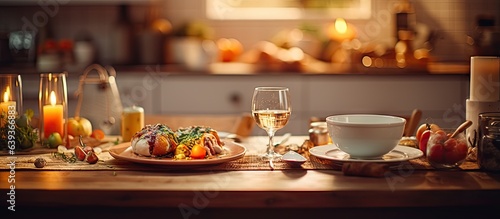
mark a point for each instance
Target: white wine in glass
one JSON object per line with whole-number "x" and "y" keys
{"x": 271, "y": 109}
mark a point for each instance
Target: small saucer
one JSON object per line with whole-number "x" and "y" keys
{"x": 399, "y": 154}
{"x": 293, "y": 158}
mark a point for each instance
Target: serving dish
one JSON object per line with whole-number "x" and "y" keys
{"x": 123, "y": 151}
{"x": 399, "y": 154}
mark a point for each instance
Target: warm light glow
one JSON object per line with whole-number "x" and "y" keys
{"x": 340, "y": 25}
{"x": 52, "y": 98}
{"x": 400, "y": 47}
{"x": 296, "y": 54}
{"x": 6, "y": 94}
{"x": 379, "y": 63}
{"x": 367, "y": 61}
{"x": 341, "y": 31}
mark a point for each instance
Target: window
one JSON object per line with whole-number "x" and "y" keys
{"x": 287, "y": 9}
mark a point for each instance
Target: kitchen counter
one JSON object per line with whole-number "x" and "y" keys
{"x": 433, "y": 68}
{"x": 235, "y": 68}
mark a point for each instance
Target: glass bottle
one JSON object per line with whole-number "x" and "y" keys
{"x": 404, "y": 33}
{"x": 488, "y": 151}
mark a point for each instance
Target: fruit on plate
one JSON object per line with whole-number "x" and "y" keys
{"x": 79, "y": 126}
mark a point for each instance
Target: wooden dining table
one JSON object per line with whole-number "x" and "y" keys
{"x": 242, "y": 188}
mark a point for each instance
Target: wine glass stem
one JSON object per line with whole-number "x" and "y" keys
{"x": 270, "y": 148}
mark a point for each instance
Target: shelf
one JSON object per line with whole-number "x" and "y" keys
{"x": 74, "y": 2}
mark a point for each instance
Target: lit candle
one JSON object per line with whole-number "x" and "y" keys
{"x": 7, "y": 105}
{"x": 485, "y": 78}
{"x": 341, "y": 30}
{"x": 52, "y": 117}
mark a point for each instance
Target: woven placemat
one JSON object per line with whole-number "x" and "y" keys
{"x": 248, "y": 162}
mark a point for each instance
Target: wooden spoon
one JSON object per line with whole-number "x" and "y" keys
{"x": 461, "y": 128}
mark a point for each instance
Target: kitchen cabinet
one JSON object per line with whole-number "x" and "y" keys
{"x": 141, "y": 90}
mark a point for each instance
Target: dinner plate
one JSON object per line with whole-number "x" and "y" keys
{"x": 123, "y": 151}
{"x": 398, "y": 154}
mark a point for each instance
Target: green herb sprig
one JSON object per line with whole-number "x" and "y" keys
{"x": 63, "y": 156}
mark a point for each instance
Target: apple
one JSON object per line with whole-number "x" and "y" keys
{"x": 426, "y": 126}
{"x": 79, "y": 126}
{"x": 54, "y": 140}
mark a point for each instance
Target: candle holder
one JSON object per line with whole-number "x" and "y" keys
{"x": 484, "y": 92}
{"x": 11, "y": 99}
{"x": 53, "y": 105}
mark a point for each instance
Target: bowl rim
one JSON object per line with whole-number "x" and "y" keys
{"x": 401, "y": 120}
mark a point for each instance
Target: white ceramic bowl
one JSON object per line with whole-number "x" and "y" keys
{"x": 365, "y": 136}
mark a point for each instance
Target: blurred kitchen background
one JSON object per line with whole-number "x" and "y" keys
{"x": 445, "y": 28}
{"x": 168, "y": 46}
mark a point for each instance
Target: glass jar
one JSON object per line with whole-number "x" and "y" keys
{"x": 444, "y": 152}
{"x": 488, "y": 151}
{"x": 132, "y": 122}
{"x": 318, "y": 133}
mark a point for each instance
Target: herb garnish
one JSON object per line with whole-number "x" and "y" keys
{"x": 63, "y": 156}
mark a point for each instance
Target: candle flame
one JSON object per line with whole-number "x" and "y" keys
{"x": 52, "y": 98}
{"x": 340, "y": 25}
{"x": 6, "y": 94}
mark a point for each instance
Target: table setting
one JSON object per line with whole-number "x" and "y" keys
{"x": 271, "y": 109}
{"x": 358, "y": 139}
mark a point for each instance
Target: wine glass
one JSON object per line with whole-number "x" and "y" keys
{"x": 271, "y": 109}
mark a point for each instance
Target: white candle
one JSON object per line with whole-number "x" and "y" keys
{"x": 7, "y": 105}
{"x": 485, "y": 78}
